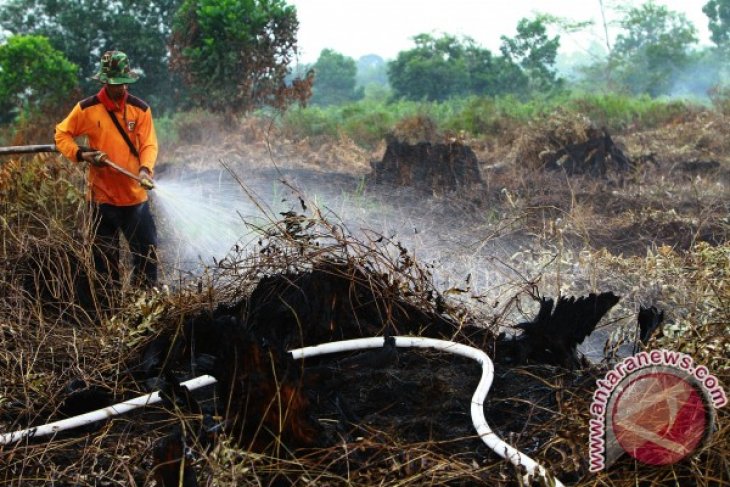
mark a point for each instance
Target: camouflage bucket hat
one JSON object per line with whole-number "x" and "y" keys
{"x": 115, "y": 69}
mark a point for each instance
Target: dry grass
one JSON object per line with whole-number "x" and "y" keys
{"x": 538, "y": 138}
{"x": 48, "y": 338}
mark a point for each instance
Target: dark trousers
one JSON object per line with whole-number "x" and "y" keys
{"x": 138, "y": 227}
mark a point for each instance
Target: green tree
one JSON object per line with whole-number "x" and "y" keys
{"x": 534, "y": 51}
{"x": 715, "y": 63}
{"x": 334, "y": 79}
{"x": 718, "y": 12}
{"x": 372, "y": 69}
{"x": 372, "y": 77}
{"x": 433, "y": 70}
{"x": 492, "y": 75}
{"x": 33, "y": 76}
{"x": 653, "y": 50}
{"x": 235, "y": 54}
{"x": 445, "y": 67}
{"x": 83, "y": 29}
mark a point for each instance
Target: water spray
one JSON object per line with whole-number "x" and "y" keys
{"x": 530, "y": 467}
{"x": 204, "y": 219}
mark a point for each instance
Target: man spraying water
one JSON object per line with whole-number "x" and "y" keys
{"x": 124, "y": 149}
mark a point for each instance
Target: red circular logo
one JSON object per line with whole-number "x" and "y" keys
{"x": 659, "y": 418}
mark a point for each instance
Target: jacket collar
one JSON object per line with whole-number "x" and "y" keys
{"x": 108, "y": 103}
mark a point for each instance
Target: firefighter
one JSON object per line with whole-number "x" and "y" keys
{"x": 119, "y": 128}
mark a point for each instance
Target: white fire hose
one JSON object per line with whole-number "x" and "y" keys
{"x": 99, "y": 414}
{"x": 533, "y": 469}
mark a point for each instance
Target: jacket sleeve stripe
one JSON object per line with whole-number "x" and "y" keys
{"x": 137, "y": 102}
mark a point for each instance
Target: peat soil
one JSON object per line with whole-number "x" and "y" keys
{"x": 422, "y": 403}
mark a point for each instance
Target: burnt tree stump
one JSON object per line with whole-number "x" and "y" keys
{"x": 593, "y": 156}
{"x": 429, "y": 166}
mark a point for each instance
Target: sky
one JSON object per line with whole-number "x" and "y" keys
{"x": 385, "y": 27}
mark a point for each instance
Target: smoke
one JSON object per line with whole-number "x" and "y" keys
{"x": 708, "y": 70}
{"x": 204, "y": 215}
{"x": 475, "y": 257}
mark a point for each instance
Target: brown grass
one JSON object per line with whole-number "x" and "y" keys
{"x": 47, "y": 338}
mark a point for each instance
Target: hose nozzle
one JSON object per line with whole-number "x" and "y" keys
{"x": 146, "y": 183}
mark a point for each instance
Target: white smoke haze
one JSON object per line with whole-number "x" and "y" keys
{"x": 703, "y": 75}
{"x": 208, "y": 213}
{"x": 472, "y": 257}
{"x": 343, "y": 24}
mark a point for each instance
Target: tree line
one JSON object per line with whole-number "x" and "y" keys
{"x": 233, "y": 56}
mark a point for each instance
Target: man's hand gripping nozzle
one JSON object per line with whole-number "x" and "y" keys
{"x": 146, "y": 183}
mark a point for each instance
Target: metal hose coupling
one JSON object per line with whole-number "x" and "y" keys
{"x": 146, "y": 183}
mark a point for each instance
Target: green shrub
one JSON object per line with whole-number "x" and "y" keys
{"x": 621, "y": 112}
{"x": 34, "y": 77}
{"x": 196, "y": 127}
{"x": 166, "y": 131}
{"x": 720, "y": 97}
{"x": 477, "y": 116}
{"x": 299, "y": 123}
{"x": 368, "y": 121}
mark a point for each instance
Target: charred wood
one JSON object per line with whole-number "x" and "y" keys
{"x": 428, "y": 166}
{"x": 593, "y": 157}
{"x": 649, "y": 320}
{"x": 553, "y": 336}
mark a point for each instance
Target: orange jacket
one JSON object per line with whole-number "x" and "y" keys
{"x": 90, "y": 117}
